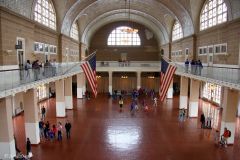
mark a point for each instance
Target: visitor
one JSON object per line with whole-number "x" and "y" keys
{"x": 225, "y": 136}
{"x": 36, "y": 69}
{"x": 28, "y": 147}
{"x": 202, "y": 120}
{"x": 186, "y": 65}
{"x": 68, "y": 128}
{"x": 155, "y": 101}
{"x": 193, "y": 67}
{"x": 120, "y": 103}
{"x": 199, "y": 67}
{"x": 41, "y": 128}
{"x": 43, "y": 112}
{"x": 54, "y": 128}
{"x": 59, "y": 128}
{"x": 27, "y": 67}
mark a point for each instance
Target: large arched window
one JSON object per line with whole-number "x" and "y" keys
{"x": 74, "y": 31}
{"x": 177, "y": 32}
{"x": 124, "y": 36}
{"x": 45, "y": 14}
{"x": 214, "y": 12}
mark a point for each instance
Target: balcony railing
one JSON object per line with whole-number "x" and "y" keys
{"x": 128, "y": 63}
{"x": 223, "y": 74}
{"x": 10, "y": 79}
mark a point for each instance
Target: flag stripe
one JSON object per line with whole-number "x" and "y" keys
{"x": 167, "y": 72}
{"x": 90, "y": 73}
{"x": 167, "y": 80}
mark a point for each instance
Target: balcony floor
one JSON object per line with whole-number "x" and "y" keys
{"x": 101, "y": 132}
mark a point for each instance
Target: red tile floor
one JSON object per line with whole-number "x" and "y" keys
{"x": 101, "y": 132}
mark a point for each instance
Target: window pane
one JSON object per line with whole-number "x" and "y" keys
{"x": 214, "y": 12}
{"x": 124, "y": 36}
{"x": 43, "y": 13}
{"x": 177, "y": 31}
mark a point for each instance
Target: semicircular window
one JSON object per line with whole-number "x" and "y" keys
{"x": 124, "y": 36}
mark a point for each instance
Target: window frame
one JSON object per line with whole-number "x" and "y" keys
{"x": 115, "y": 37}
{"x": 45, "y": 20}
{"x": 178, "y": 34}
{"x": 207, "y": 16}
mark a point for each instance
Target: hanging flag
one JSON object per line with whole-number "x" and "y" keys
{"x": 89, "y": 69}
{"x": 167, "y": 72}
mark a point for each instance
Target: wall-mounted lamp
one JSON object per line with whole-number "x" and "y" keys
{"x": 124, "y": 77}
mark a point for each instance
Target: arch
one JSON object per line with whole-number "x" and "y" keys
{"x": 214, "y": 12}
{"x": 120, "y": 15}
{"x": 44, "y": 13}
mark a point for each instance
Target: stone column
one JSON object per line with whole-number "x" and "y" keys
{"x": 194, "y": 97}
{"x": 60, "y": 99}
{"x": 138, "y": 79}
{"x": 110, "y": 82}
{"x": 31, "y": 116}
{"x": 230, "y": 103}
{"x": 7, "y": 143}
{"x": 68, "y": 93}
{"x": 183, "y": 103}
{"x": 170, "y": 91}
{"x": 80, "y": 85}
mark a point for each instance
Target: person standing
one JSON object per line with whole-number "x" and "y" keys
{"x": 27, "y": 67}
{"x": 202, "y": 120}
{"x": 41, "y": 128}
{"x": 68, "y": 128}
{"x": 43, "y": 112}
{"x": 59, "y": 128}
{"x": 28, "y": 147}
{"x": 186, "y": 65}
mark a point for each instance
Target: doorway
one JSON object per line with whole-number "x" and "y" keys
{"x": 21, "y": 56}
{"x": 210, "y": 56}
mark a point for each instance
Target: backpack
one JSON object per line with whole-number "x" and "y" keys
{"x": 229, "y": 133}
{"x": 26, "y": 67}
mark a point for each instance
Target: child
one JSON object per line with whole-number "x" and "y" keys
{"x": 216, "y": 137}
{"x": 155, "y": 102}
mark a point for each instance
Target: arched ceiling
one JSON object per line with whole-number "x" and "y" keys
{"x": 160, "y": 13}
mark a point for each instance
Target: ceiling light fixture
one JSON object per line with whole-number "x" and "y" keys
{"x": 129, "y": 29}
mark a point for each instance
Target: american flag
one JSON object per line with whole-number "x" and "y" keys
{"x": 167, "y": 72}
{"x": 89, "y": 69}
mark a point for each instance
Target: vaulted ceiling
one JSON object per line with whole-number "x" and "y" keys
{"x": 156, "y": 15}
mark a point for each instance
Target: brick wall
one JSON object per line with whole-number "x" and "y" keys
{"x": 148, "y": 51}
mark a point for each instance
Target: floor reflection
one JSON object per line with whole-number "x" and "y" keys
{"x": 122, "y": 137}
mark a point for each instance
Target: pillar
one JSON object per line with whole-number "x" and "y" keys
{"x": 230, "y": 103}
{"x": 7, "y": 143}
{"x": 31, "y": 116}
{"x": 170, "y": 90}
{"x": 194, "y": 96}
{"x": 68, "y": 93}
{"x": 138, "y": 80}
{"x": 183, "y": 93}
{"x": 80, "y": 85}
{"x": 60, "y": 99}
{"x": 110, "y": 82}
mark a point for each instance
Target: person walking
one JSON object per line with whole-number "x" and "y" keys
{"x": 28, "y": 147}
{"x": 120, "y": 104}
{"x": 68, "y": 127}
{"x": 59, "y": 128}
{"x": 155, "y": 101}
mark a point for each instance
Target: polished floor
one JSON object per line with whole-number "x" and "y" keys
{"x": 101, "y": 132}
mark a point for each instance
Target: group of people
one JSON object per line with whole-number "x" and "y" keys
{"x": 55, "y": 131}
{"x": 49, "y": 69}
{"x": 196, "y": 66}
